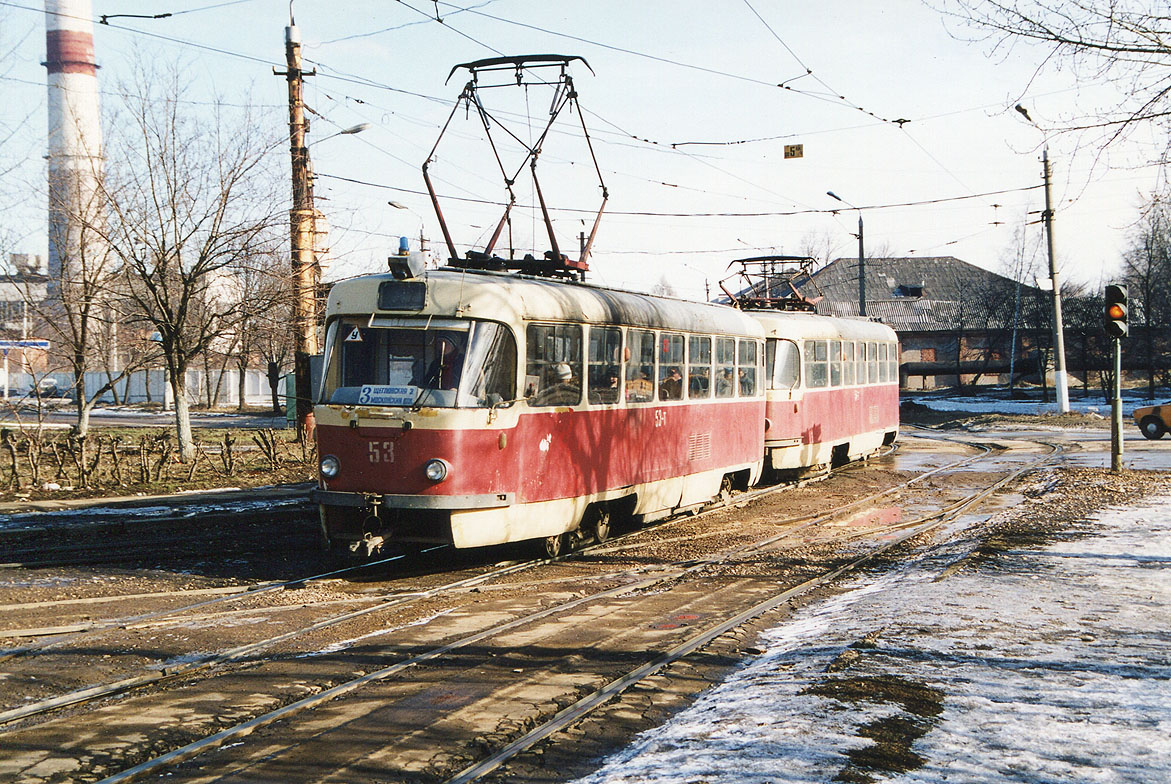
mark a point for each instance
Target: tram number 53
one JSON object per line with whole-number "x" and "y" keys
{"x": 381, "y": 451}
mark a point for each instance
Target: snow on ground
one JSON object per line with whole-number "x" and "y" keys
{"x": 1049, "y": 663}
{"x": 988, "y": 404}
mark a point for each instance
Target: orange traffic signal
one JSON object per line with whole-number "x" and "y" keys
{"x": 1115, "y": 315}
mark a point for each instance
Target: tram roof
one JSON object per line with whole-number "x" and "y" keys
{"x": 512, "y": 298}
{"x": 806, "y": 326}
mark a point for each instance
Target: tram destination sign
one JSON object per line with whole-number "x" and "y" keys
{"x": 8, "y": 345}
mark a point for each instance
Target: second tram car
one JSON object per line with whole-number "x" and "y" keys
{"x": 477, "y": 408}
{"x": 833, "y": 388}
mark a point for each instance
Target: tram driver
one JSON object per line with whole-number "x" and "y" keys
{"x": 564, "y": 391}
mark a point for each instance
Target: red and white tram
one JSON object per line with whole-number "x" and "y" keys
{"x": 477, "y": 408}
{"x": 833, "y": 388}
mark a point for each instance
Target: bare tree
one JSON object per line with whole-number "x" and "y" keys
{"x": 1126, "y": 43}
{"x": 1147, "y": 269}
{"x": 664, "y": 288}
{"x": 74, "y": 306}
{"x": 263, "y": 332}
{"x": 190, "y": 201}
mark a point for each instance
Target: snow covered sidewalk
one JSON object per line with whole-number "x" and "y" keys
{"x": 1028, "y": 661}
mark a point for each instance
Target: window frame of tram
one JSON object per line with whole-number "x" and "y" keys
{"x": 835, "y": 363}
{"x": 546, "y": 347}
{"x": 640, "y": 367}
{"x": 785, "y": 373}
{"x": 725, "y": 364}
{"x": 816, "y": 364}
{"x": 747, "y": 368}
{"x": 603, "y": 363}
{"x": 670, "y": 357}
{"x": 699, "y": 367}
{"x": 392, "y": 356}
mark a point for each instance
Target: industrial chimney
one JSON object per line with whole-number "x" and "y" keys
{"x": 75, "y": 134}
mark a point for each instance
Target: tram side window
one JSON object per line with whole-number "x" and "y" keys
{"x": 835, "y": 363}
{"x": 894, "y": 362}
{"x": 640, "y": 366}
{"x": 848, "y": 364}
{"x": 883, "y": 363}
{"x": 699, "y": 367}
{"x": 786, "y": 372}
{"x": 553, "y": 365}
{"x": 746, "y": 368}
{"x": 670, "y": 367}
{"x": 816, "y": 363}
{"x": 725, "y": 367}
{"x": 605, "y": 359}
{"x": 872, "y": 363}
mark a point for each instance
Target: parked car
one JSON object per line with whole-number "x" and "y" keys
{"x": 1153, "y": 421}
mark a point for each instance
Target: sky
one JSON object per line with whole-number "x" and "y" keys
{"x": 901, "y": 112}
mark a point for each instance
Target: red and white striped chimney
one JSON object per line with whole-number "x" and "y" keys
{"x": 75, "y": 132}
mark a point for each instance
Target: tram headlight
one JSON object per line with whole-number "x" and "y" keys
{"x": 436, "y": 470}
{"x": 330, "y": 466}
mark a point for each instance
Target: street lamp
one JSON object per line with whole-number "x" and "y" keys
{"x": 345, "y": 132}
{"x": 1060, "y": 377}
{"x": 861, "y": 256}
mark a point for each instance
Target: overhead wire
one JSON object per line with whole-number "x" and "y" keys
{"x": 374, "y": 84}
{"x": 754, "y": 214}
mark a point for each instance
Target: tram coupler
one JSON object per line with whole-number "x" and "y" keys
{"x": 373, "y": 535}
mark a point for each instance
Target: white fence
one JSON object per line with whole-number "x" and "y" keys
{"x": 145, "y": 386}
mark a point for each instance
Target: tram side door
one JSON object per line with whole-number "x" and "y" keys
{"x": 785, "y": 389}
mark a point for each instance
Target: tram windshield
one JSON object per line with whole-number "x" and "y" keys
{"x": 443, "y": 363}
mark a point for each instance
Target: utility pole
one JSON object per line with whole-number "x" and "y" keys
{"x": 306, "y": 273}
{"x": 1058, "y": 330}
{"x": 861, "y": 256}
{"x": 861, "y": 270}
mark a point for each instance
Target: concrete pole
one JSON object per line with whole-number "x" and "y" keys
{"x": 1062, "y": 381}
{"x": 306, "y": 274}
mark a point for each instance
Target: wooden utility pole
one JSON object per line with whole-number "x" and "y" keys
{"x": 306, "y": 272}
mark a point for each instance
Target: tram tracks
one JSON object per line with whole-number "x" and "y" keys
{"x": 155, "y": 675}
{"x": 632, "y": 582}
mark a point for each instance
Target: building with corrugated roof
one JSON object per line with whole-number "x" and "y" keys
{"x": 955, "y": 320}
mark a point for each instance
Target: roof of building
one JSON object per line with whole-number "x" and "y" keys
{"x": 910, "y": 293}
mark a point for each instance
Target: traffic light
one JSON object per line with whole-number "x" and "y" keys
{"x": 1114, "y": 318}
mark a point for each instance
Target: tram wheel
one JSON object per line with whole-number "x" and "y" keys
{"x": 1152, "y": 427}
{"x": 601, "y": 524}
{"x": 556, "y": 545}
{"x": 726, "y": 488}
